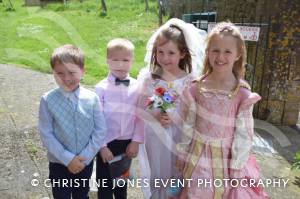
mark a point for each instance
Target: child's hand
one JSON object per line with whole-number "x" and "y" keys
{"x": 132, "y": 149}
{"x": 76, "y": 165}
{"x": 187, "y": 97}
{"x": 236, "y": 173}
{"x": 164, "y": 119}
{"x": 184, "y": 193}
{"x": 180, "y": 164}
{"x": 106, "y": 154}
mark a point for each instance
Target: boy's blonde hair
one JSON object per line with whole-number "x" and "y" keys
{"x": 67, "y": 54}
{"x": 119, "y": 44}
{"x": 228, "y": 28}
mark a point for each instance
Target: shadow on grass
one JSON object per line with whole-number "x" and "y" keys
{"x": 297, "y": 181}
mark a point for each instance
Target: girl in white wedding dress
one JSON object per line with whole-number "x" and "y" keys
{"x": 174, "y": 58}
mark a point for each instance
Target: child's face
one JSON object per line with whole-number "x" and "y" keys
{"x": 68, "y": 76}
{"x": 168, "y": 56}
{"x": 120, "y": 62}
{"x": 223, "y": 53}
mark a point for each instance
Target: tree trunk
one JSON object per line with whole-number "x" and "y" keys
{"x": 147, "y": 6}
{"x": 103, "y": 5}
{"x": 159, "y": 12}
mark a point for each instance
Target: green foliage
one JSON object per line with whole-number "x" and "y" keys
{"x": 31, "y": 33}
{"x": 32, "y": 149}
{"x": 8, "y": 6}
{"x": 296, "y": 164}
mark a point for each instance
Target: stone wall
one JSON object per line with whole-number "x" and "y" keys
{"x": 41, "y": 2}
{"x": 277, "y": 56}
{"x": 32, "y": 2}
{"x": 281, "y": 93}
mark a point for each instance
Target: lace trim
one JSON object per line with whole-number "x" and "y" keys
{"x": 221, "y": 94}
{"x": 185, "y": 81}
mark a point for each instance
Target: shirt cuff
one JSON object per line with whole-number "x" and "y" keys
{"x": 104, "y": 145}
{"x": 138, "y": 138}
{"x": 67, "y": 158}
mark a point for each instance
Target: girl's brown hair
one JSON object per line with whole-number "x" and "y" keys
{"x": 228, "y": 28}
{"x": 174, "y": 34}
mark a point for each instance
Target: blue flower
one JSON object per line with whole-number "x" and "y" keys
{"x": 168, "y": 98}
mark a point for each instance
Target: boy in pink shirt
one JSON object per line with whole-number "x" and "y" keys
{"x": 118, "y": 94}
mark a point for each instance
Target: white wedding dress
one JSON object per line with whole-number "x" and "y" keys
{"x": 157, "y": 156}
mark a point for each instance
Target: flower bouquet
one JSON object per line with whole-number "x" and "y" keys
{"x": 162, "y": 99}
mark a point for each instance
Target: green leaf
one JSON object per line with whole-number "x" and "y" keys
{"x": 296, "y": 162}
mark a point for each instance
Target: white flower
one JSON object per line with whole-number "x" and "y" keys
{"x": 157, "y": 101}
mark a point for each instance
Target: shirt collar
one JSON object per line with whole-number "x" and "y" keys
{"x": 72, "y": 94}
{"x": 112, "y": 78}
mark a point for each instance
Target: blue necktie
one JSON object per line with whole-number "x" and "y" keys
{"x": 122, "y": 81}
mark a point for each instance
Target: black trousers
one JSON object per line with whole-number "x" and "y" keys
{"x": 117, "y": 147}
{"x": 75, "y": 187}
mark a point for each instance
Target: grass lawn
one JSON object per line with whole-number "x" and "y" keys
{"x": 28, "y": 35}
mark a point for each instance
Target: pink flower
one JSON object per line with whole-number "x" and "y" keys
{"x": 149, "y": 101}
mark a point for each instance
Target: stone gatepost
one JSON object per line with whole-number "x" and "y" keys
{"x": 281, "y": 96}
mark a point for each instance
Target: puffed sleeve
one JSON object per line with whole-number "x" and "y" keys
{"x": 188, "y": 102}
{"x": 243, "y": 136}
{"x": 139, "y": 129}
{"x": 188, "y": 119}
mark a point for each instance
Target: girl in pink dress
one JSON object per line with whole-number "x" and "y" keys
{"x": 219, "y": 160}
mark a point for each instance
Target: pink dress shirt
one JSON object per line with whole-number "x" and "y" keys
{"x": 119, "y": 103}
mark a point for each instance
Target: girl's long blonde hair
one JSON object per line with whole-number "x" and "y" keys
{"x": 228, "y": 28}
